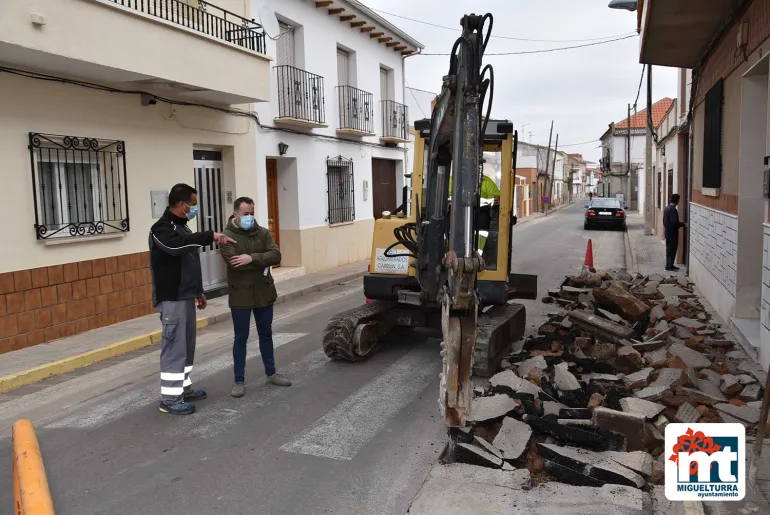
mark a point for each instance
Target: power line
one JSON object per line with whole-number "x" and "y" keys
{"x": 583, "y": 143}
{"x": 498, "y": 37}
{"x": 548, "y": 49}
{"x": 415, "y": 98}
{"x": 641, "y": 79}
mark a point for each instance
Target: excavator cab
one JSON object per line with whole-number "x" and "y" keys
{"x": 392, "y": 286}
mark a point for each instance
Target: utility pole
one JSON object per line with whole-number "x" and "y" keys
{"x": 547, "y": 162}
{"x": 627, "y": 199}
{"x": 553, "y": 174}
{"x": 648, "y": 200}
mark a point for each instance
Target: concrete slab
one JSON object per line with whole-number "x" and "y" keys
{"x": 552, "y": 407}
{"x": 750, "y": 393}
{"x": 670, "y": 290}
{"x": 527, "y": 365}
{"x": 564, "y": 379}
{"x": 745, "y": 413}
{"x": 513, "y": 438}
{"x": 689, "y": 323}
{"x": 687, "y": 414}
{"x": 508, "y": 381}
{"x": 652, "y": 393}
{"x": 690, "y": 357}
{"x": 488, "y": 447}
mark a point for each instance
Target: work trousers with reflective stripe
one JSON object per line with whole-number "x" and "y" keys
{"x": 177, "y": 350}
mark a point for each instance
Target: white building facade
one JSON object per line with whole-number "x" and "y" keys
{"x": 332, "y": 153}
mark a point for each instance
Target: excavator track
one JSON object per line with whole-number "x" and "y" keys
{"x": 339, "y": 336}
{"x": 497, "y": 329}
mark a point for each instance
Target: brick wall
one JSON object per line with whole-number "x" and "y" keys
{"x": 726, "y": 58}
{"x": 44, "y": 304}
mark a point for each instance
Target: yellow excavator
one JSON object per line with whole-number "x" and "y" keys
{"x": 446, "y": 264}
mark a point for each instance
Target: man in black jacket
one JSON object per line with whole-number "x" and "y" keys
{"x": 671, "y": 226}
{"x": 177, "y": 286}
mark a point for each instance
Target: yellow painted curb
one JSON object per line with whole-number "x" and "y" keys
{"x": 63, "y": 366}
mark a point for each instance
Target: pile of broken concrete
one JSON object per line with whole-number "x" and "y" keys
{"x": 587, "y": 399}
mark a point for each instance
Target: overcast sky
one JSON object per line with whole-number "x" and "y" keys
{"x": 582, "y": 90}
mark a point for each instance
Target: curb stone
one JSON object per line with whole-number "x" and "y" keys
{"x": 71, "y": 363}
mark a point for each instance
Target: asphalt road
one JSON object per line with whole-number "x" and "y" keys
{"x": 345, "y": 439}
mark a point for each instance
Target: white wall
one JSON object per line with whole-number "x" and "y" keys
{"x": 317, "y": 38}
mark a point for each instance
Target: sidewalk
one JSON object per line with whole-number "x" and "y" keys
{"x": 33, "y": 364}
{"x": 648, "y": 253}
{"x": 648, "y": 257}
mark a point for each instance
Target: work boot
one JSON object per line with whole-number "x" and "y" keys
{"x": 178, "y": 408}
{"x": 238, "y": 390}
{"x": 194, "y": 395}
{"x": 278, "y": 380}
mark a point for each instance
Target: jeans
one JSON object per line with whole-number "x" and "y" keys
{"x": 241, "y": 322}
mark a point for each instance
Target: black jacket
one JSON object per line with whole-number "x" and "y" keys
{"x": 175, "y": 260}
{"x": 671, "y": 223}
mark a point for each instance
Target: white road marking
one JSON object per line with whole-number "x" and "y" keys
{"x": 137, "y": 399}
{"x": 352, "y": 424}
{"x": 225, "y": 412}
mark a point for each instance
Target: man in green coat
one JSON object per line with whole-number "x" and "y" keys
{"x": 252, "y": 289}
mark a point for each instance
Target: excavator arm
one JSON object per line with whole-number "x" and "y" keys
{"x": 448, "y": 258}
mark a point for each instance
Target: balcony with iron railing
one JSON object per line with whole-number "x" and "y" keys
{"x": 188, "y": 49}
{"x": 301, "y": 99}
{"x": 356, "y": 111}
{"x": 395, "y": 122}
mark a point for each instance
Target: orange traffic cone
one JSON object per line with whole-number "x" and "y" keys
{"x": 589, "y": 260}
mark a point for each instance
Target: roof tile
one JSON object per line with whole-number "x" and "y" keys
{"x": 639, "y": 120}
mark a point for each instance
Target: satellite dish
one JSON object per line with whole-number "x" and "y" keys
{"x": 269, "y": 22}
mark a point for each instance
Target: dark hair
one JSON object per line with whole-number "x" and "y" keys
{"x": 675, "y": 198}
{"x": 180, "y": 193}
{"x": 242, "y": 200}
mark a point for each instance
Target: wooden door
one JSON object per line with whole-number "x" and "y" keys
{"x": 272, "y": 200}
{"x": 384, "y": 196}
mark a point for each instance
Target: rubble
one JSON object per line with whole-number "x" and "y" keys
{"x": 512, "y": 439}
{"x": 586, "y": 399}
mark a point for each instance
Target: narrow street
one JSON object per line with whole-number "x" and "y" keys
{"x": 344, "y": 439}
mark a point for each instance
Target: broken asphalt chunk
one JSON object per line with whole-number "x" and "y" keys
{"x": 640, "y": 379}
{"x": 656, "y": 358}
{"x": 483, "y": 444}
{"x": 490, "y": 408}
{"x": 668, "y": 378}
{"x": 513, "y": 438}
{"x": 690, "y": 357}
{"x": 473, "y": 455}
{"x": 750, "y": 393}
{"x": 628, "y": 361}
{"x": 609, "y": 471}
{"x": 701, "y": 396}
{"x": 570, "y": 476}
{"x": 618, "y": 300}
{"x": 689, "y": 323}
{"x": 651, "y": 393}
{"x": 596, "y": 325}
{"x": 565, "y": 433}
{"x": 630, "y": 425}
{"x": 508, "y": 382}
{"x": 638, "y": 461}
{"x": 745, "y": 413}
{"x": 687, "y": 414}
{"x": 650, "y": 410}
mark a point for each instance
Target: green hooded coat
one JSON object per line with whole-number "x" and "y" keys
{"x": 251, "y": 286}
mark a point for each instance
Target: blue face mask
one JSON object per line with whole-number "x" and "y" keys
{"x": 193, "y": 212}
{"x": 247, "y": 222}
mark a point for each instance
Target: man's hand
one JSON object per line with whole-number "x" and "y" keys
{"x": 497, "y": 201}
{"x": 202, "y": 302}
{"x": 242, "y": 260}
{"x": 221, "y": 239}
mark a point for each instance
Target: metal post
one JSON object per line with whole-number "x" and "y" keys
{"x": 547, "y": 160}
{"x": 628, "y": 162}
{"x": 648, "y": 197}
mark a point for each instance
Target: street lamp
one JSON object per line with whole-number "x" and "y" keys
{"x": 628, "y": 5}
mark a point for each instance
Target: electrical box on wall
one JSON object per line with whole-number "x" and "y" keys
{"x": 366, "y": 190}
{"x": 159, "y": 202}
{"x": 766, "y": 187}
